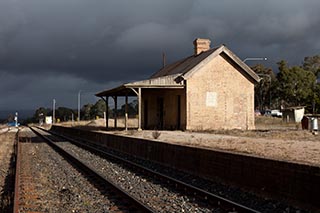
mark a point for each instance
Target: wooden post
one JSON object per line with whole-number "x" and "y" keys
{"x": 139, "y": 103}
{"x": 115, "y": 111}
{"x": 126, "y": 114}
{"x": 139, "y": 106}
{"x": 107, "y": 111}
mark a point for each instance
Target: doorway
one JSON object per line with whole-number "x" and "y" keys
{"x": 160, "y": 112}
{"x": 179, "y": 112}
{"x": 145, "y": 114}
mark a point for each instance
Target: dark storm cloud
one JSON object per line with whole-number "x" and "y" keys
{"x": 82, "y": 44}
{"x": 30, "y": 91}
{"x": 84, "y": 38}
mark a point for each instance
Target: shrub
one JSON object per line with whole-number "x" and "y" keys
{"x": 156, "y": 134}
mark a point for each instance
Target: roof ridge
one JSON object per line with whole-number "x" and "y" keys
{"x": 169, "y": 67}
{"x": 194, "y": 59}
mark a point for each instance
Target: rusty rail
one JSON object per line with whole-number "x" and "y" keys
{"x": 136, "y": 205}
{"x": 226, "y": 204}
{"x": 17, "y": 175}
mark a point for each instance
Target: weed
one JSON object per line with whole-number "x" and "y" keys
{"x": 131, "y": 132}
{"x": 156, "y": 134}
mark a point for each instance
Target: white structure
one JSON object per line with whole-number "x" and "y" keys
{"x": 16, "y": 119}
{"x": 293, "y": 114}
{"x": 48, "y": 119}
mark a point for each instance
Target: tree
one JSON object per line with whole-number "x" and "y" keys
{"x": 10, "y": 118}
{"x": 86, "y": 112}
{"x": 263, "y": 90}
{"x": 295, "y": 85}
{"x": 98, "y": 109}
{"x": 132, "y": 109}
{"x": 40, "y": 114}
{"x": 316, "y": 99}
{"x": 312, "y": 63}
{"x": 64, "y": 113}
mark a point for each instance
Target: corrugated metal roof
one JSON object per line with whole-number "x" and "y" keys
{"x": 127, "y": 89}
{"x": 184, "y": 65}
{"x": 167, "y": 76}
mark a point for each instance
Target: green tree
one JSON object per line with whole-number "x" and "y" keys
{"x": 295, "y": 85}
{"x": 132, "y": 109}
{"x": 64, "y": 113}
{"x": 40, "y": 113}
{"x": 316, "y": 102}
{"x": 263, "y": 89}
{"x": 98, "y": 109}
{"x": 312, "y": 63}
{"x": 86, "y": 112}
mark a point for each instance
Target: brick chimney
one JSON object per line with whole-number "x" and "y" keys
{"x": 201, "y": 45}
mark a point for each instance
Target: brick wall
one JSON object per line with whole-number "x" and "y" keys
{"x": 294, "y": 181}
{"x": 219, "y": 96}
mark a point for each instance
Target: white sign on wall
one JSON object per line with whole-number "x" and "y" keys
{"x": 211, "y": 99}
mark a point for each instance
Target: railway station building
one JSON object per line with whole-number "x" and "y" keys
{"x": 211, "y": 89}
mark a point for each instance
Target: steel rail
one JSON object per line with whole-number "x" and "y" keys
{"x": 139, "y": 206}
{"x": 17, "y": 150}
{"x": 222, "y": 202}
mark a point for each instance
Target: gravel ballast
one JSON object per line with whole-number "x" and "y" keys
{"x": 58, "y": 186}
{"x": 249, "y": 199}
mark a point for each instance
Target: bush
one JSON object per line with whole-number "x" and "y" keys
{"x": 156, "y": 134}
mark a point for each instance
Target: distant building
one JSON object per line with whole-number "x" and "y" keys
{"x": 211, "y": 89}
{"x": 48, "y": 120}
{"x": 293, "y": 114}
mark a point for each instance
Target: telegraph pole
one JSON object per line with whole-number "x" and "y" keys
{"x": 79, "y": 94}
{"x": 54, "y": 111}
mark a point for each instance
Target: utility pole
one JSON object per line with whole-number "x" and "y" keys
{"x": 54, "y": 111}
{"x": 79, "y": 96}
{"x": 16, "y": 119}
{"x": 163, "y": 59}
{"x": 261, "y": 59}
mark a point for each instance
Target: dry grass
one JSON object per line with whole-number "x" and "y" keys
{"x": 271, "y": 139}
{"x": 267, "y": 123}
{"x": 132, "y": 123}
{"x": 272, "y": 128}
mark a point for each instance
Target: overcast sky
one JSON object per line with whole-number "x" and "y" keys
{"x": 51, "y": 49}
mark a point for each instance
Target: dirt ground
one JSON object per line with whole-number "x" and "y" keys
{"x": 7, "y": 137}
{"x": 272, "y": 139}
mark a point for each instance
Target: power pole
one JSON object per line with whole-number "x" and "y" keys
{"x": 54, "y": 111}
{"x": 79, "y": 96}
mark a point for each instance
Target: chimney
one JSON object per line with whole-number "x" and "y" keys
{"x": 201, "y": 45}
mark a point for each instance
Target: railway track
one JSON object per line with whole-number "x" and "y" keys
{"x": 46, "y": 182}
{"x": 182, "y": 196}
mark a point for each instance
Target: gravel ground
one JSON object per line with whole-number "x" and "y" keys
{"x": 162, "y": 197}
{"x": 246, "y": 198}
{"x": 3, "y": 129}
{"x": 235, "y": 194}
{"x": 58, "y": 187}
{"x": 6, "y": 179}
